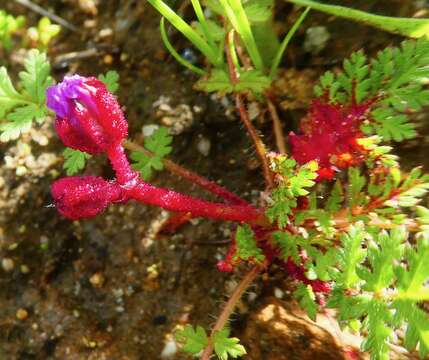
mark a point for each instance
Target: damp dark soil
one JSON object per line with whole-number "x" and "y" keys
{"x": 111, "y": 287}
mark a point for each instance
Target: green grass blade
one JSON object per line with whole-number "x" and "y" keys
{"x": 414, "y": 28}
{"x": 174, "y": 53}
{"x": 285, "y": 43}
{"x": 237, "y": 16}
{"x": 202, "y": 19}
{"x": 186, "y": 30}
{"x": 233, "y": 53}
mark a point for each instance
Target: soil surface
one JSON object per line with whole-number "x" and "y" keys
{"x": 111, "y": 287}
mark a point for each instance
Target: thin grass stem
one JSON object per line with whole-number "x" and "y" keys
{"x": 174, "y": 53}
{"x": 285, "y": 43}
{"x": 186, "y": 30}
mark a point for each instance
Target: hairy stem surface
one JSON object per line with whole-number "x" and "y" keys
{"x": 201, "y": 181}
{"x": 229, "y": 308}
{"x": 244, "y": 116}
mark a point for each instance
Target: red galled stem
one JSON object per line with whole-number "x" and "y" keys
{"x": 174, "y": 201}
{"x": 121, "y": 166}
{"x": 90, "y": 119}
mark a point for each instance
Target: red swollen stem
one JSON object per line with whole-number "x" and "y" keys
{"x": 174, "y": 201}
{"x": 201, "y": 181}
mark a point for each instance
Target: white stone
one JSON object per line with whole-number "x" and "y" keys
{"x": 204, "y": 146}
{"x": 169, "y": 350}
{"x": 148, "y": 130}
{"x": 278, "y": 293}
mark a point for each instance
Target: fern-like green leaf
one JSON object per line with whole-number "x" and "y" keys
{"x": 110, "y": 79}
{"x": 74, "y": 161}
{"x": 225, "y": 346}
{"x": 159, "y": 145}
{"x": 194, "y": 341}
{"x": 21, "y": 107}
{"x": 247, "y": 248}
{"x": 305, "y": 295}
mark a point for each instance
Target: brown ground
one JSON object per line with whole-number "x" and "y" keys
{"x": 105, "y": 288}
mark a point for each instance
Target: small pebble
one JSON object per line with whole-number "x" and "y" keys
{"x": 97, "y": 280}
{"x": 21, "y": 314}
{"x": 105, "y": 32}
{"x": 7, "y": 264}
{"x": 12, "y": 246}
{"x": 278, "y": 293}
{"x": 148, "y": 130}
{"x": 316, "y": 39}
{"x": 169, "y": 350}
{"x": 204, "y": 146}
{"x": 21, "y": 170}
{"x": 108, "y": 59}
{"x": 24, "y": 269}
{"x": 252, "y": 296}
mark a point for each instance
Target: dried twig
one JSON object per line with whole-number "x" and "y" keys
{"x": 277, "y": 127}
{"x": 38, "y": 9}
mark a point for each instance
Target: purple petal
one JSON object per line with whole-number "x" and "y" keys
{"x": 61, "y": 97}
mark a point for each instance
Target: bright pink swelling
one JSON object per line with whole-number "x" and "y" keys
{"x": 89, "y": 119}
{"x": 76, "y": 197}
{"x": 329, "y": 136}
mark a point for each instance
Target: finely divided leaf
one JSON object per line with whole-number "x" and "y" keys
{"x": 350, "y": 255}
{"x": 382, "y": 254}
{"x": 194, "y": 341}
{"x": 20, "y": 108}
{"x": 159, "y": 144}
{"x": 379, "y": 331}
{"x": 247, "y": 248}
{"x": 305, "y": 295}
{"x": 36, "y": 78}
{"x": 74, "y": 161}
{"x": 9, "y": 97}
{"x": 19, "y": 121}
{"x": 226, "y": 347}
{"x": 110, "y": 79}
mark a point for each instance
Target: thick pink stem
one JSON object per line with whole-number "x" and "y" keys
{"x": 174, "y": 201}
{"x": 204, "y": 183}
{"x": 120, "y": 164}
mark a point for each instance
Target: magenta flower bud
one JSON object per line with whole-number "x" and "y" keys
{"x": 89, "y": 118}
{"x": 78, "y": 197}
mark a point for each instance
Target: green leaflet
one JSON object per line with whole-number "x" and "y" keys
{"x": 159, "y": 144}
{"x": 194, "y": 341}
{"x": 111, "y": 80}
{"x": 226, "y": 346}
{"x": 350, "y": 255}
{"x": 20, "y": 107}
{"x": 305, "y": 295}
{"x": 75, "y": 161}
{"x": 219, "y": 81}
{"x": 382, "y": 253}
{"x": 297, "y": 180}
{"x": 247, "y": 248}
